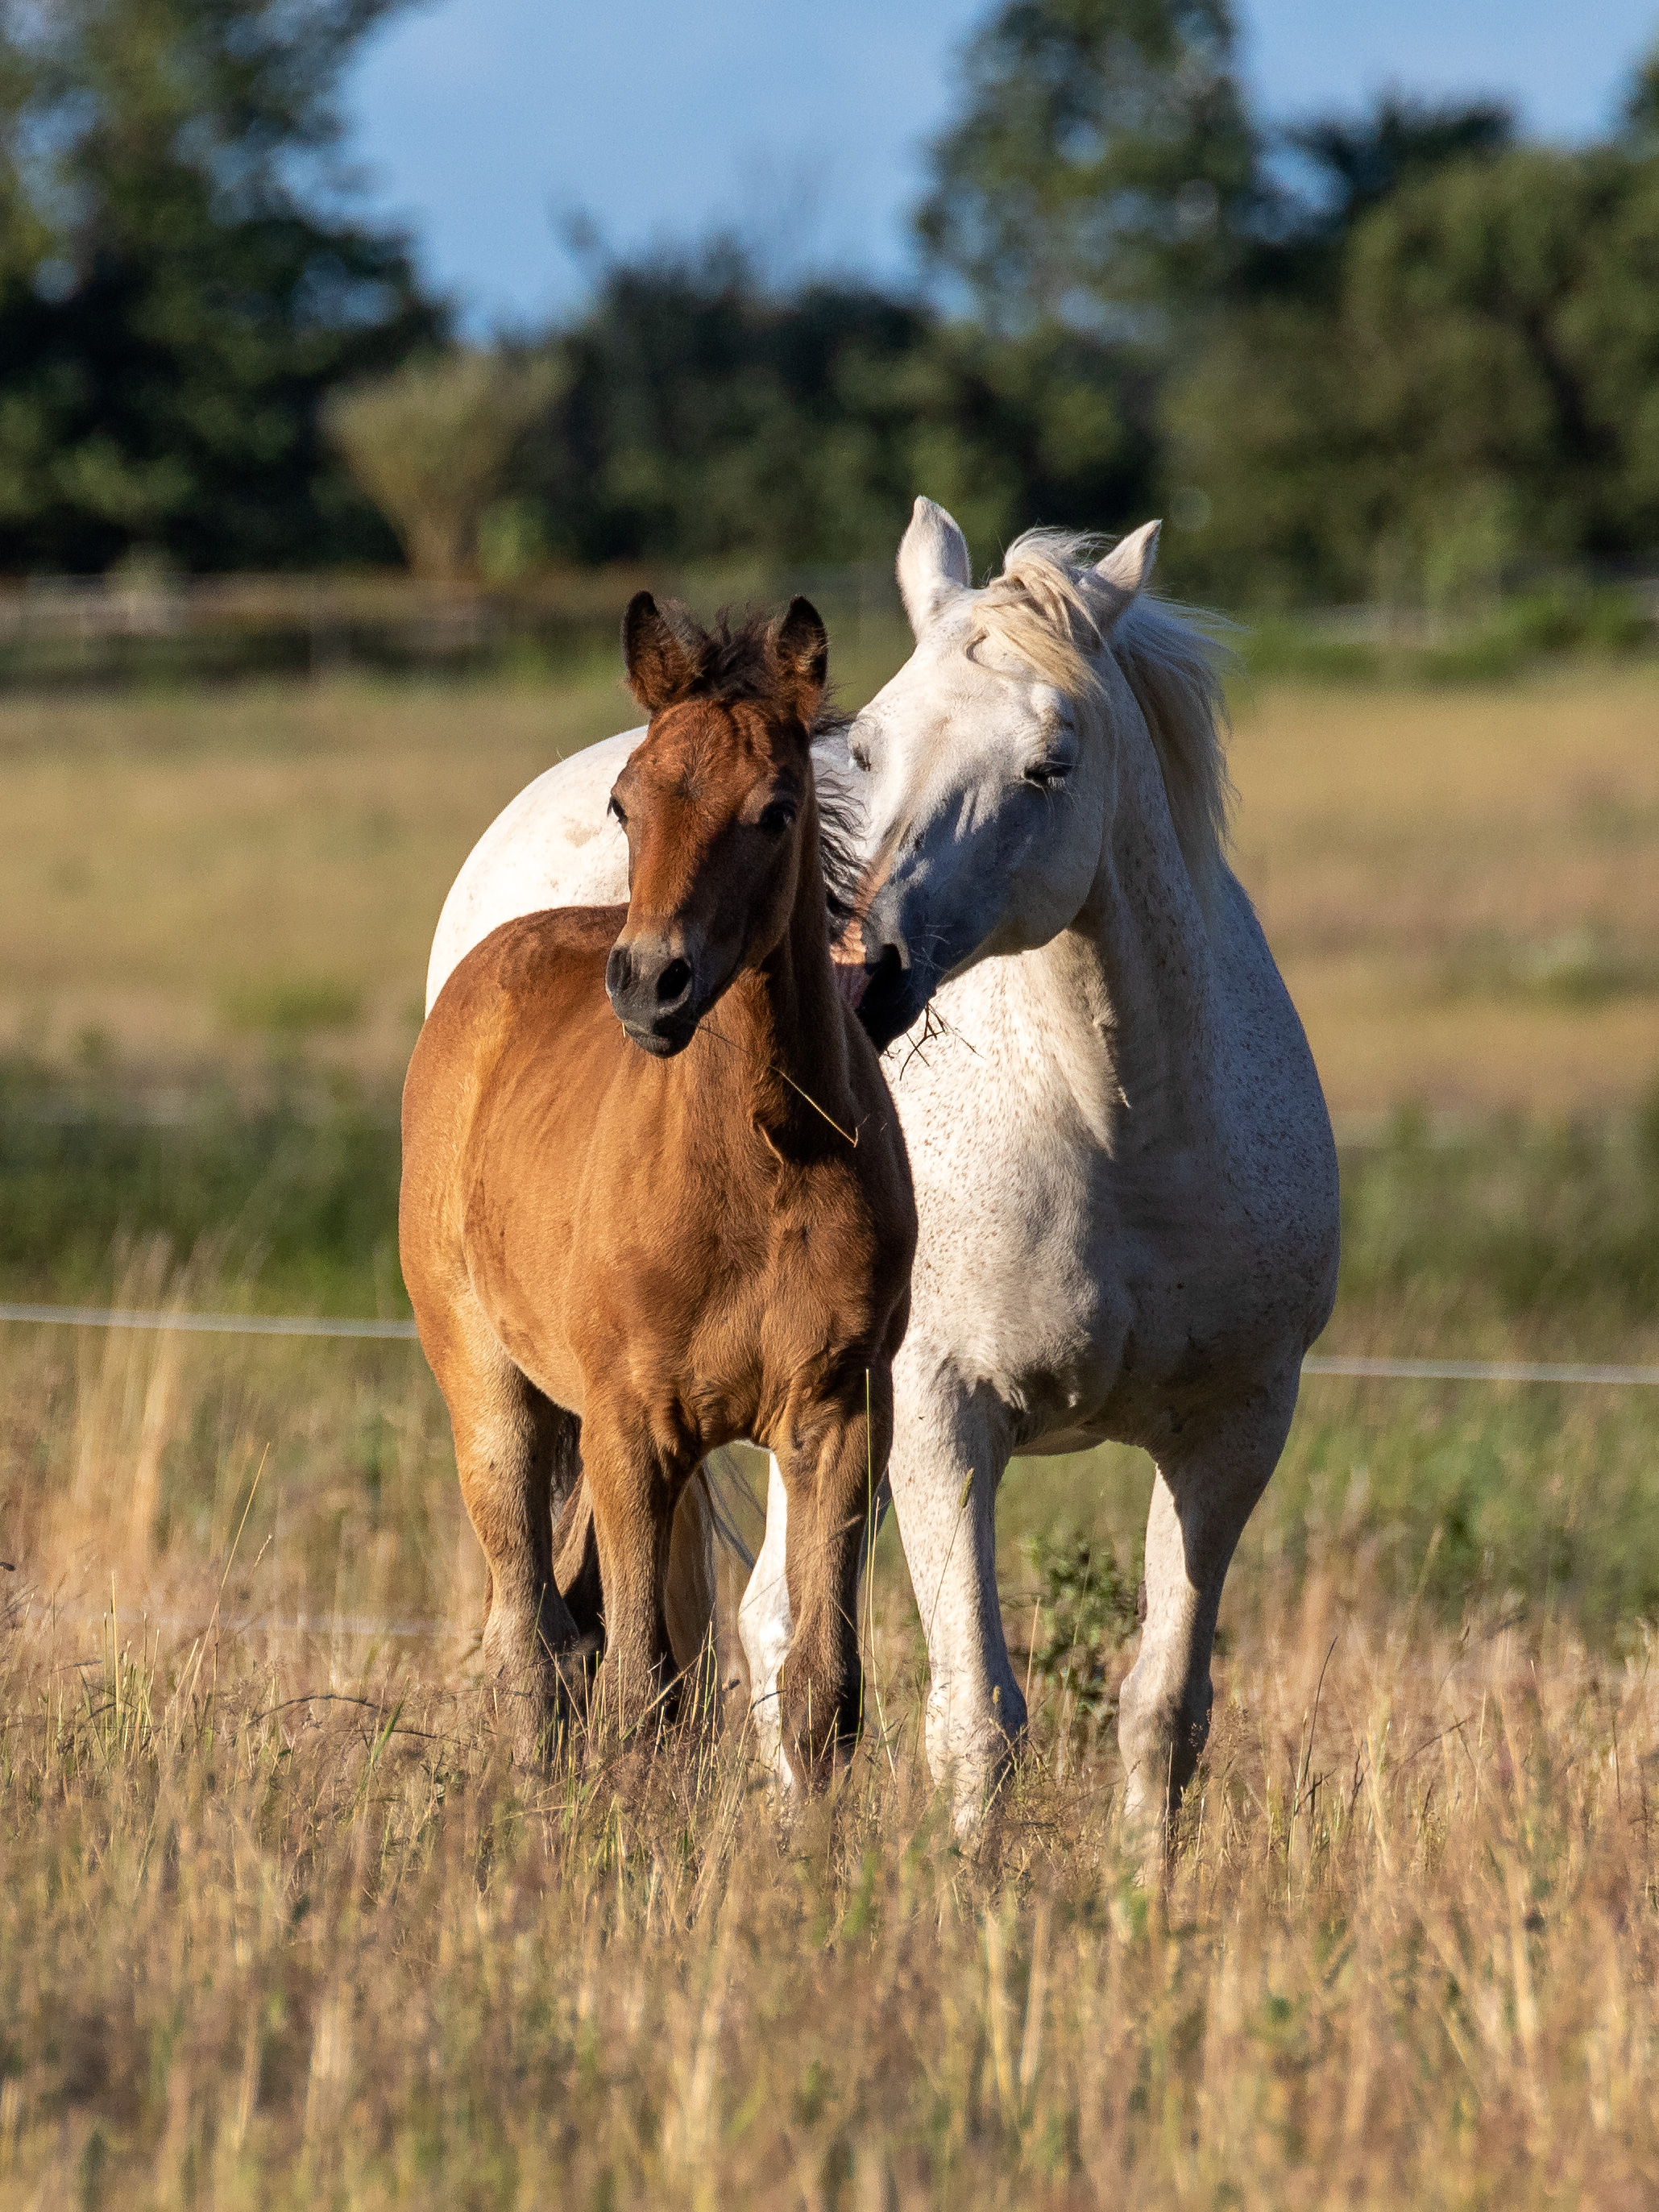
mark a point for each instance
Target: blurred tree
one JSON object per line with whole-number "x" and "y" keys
{"x": 1341, "y": 169}
{"x": 1402, "y": 141}
{"x": 1104, "y": 173}
{"x": 706, "y": 417}
{"x": 173, "y": 303}
{"x": 430, "y": 444}
{"x": 1641, "y": 117}
{"x": 1485, "y": 388}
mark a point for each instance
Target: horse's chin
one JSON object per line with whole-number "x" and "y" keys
{"x": 851, "y": 979}
{"x": 892, "y": 999}
{"x": 659, "y": 1043}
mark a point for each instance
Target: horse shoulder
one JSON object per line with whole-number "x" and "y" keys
{"x": 527, "y": 1002}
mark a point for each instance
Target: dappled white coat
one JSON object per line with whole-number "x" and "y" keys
{"x": 1125, "y": 1178}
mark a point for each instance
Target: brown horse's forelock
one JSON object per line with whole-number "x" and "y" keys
{"x": 736, "y": 659}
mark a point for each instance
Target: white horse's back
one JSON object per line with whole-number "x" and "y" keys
{"x": 553, "y": 845}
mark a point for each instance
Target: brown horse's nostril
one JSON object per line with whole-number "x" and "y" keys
{"x": 673, "y": 982}
{"x": 618, "y": 971}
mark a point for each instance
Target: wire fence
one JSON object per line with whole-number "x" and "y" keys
{"x": 302, "y": 1325}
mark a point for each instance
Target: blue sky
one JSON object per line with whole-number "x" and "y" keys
{"x": 483, "y": 124}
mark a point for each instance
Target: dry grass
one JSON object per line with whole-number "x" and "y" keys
{"x": 278, "y": 1933}
{"x": 1461, "y": 885}
{"x": 279, "y": 1925}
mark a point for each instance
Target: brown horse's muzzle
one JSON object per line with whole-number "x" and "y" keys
{"x": 653, "y": 986}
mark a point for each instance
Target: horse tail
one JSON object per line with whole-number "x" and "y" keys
{"x": 729, "y": 1495}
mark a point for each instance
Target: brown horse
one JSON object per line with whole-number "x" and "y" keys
{"x": 631, "y": 1233}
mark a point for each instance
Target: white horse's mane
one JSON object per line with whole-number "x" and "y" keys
{"x": 1050, "y": 606}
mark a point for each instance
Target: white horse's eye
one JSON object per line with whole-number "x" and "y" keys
{"x": 860, "y": 757}
{"x": 1049, "y": 775}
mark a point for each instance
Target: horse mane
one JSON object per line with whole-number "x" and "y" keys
{"x": 840, "y": 816}
{"x": 1049, "y": 606}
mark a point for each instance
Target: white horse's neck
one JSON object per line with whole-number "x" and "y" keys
{"x": 1128, "y": 992}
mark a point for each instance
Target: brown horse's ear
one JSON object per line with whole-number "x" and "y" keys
{"x": 802, "y": 645}
{"x": 661, "y": 669}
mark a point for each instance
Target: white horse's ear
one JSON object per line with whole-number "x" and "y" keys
{"x": 1127, "y": 568}
{"x": 933, "y": 563}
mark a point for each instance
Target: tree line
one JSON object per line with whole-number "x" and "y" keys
{"x": 1404, "y": 354}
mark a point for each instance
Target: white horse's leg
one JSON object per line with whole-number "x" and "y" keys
{"x": 765, "y": 1626}
{"x": 945, "y": 1469}
{"x": 1203, "y": 1494}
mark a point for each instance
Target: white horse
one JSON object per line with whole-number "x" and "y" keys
{"x": 1125, "y": 1176}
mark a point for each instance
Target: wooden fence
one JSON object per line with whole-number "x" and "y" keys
{"x": 114, "y": 628}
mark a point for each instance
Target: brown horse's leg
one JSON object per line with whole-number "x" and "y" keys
{"x": 689, "y": 1598}
{"x": 632, "y": 1491}
{"x": 829, "y": 1477}
{"x": 692, "y": 1589}
{"x": 511, "y": 1445}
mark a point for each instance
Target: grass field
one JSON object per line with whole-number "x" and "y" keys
{"x": 1462, "y": 887}
{"x": 280, "y": 1926}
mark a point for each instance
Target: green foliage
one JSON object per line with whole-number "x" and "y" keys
{"x": 1361, "y": 163}
{"x": 1417, "y": 365}
{"x": 299, "y": 1192}
{"x": 173, "y": 306}
{"x": 290, "y": 1007}
{"x": 1529, "y": 1220}
{"x": 1479, "y": 386}
{"x": 1487, "y": 644}
{"x": 703, "y": 417}
{"x": 1086, "y": 1612}
{"x": 1102, "y": 168}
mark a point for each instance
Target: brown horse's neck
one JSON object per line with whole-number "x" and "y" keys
{"x": 786, "y": 1017}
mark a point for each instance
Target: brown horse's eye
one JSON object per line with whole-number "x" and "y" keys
{"x": 614, "y": 808}
{"x": 778, "y": 816}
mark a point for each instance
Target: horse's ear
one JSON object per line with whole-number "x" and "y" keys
{"x": 1127, "y": 568}
{"x": 802, "y": 645}
{"x": 661, "y": 670}
{"x": 933, "y": 563}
